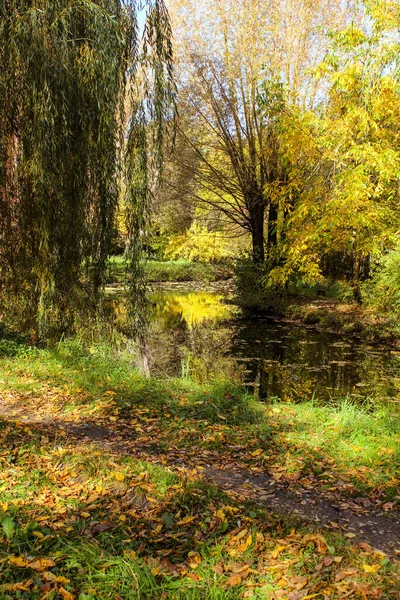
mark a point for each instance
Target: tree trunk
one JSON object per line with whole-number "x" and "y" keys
{"x": 257, "y": 233}
{"x": 355, "y": 284}
{"x": 272, "y": 231}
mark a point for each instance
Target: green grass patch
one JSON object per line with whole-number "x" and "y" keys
{"x": 358, "y": 445}
{"x": 165, "y": 271}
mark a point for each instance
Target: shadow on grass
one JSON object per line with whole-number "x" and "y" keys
{"x": 114, "y": 527}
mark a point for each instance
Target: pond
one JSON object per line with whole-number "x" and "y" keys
{"x": 200, "y": 335}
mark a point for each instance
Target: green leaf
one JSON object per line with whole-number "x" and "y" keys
{"x": 8, "y": 526}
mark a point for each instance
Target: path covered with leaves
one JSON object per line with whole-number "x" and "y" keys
{"x": 118, "y": 489}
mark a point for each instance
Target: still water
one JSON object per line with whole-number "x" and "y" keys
{"x": 198, "y": 334}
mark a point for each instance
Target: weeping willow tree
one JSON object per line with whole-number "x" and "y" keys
{"x": 86, "y": 90}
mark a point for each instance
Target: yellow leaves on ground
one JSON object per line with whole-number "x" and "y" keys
{"x": 257, "y": 452}
{"x": 18, "y": 561}
{"x": 236, "y": 572}
{"x": 187, "y": 520}
{"x": 22, "y": 586}
{"x": 372, "y": 568}
{"x": 64, "y": 594}
{"x": 239, "y": 543}
{"x": 50, "y": 581}
{"x": 41, "y": 564}
{"x": 194, "y": 560}
{"x": 275, "y": 553}
{"x": 38, "y": 564}
{"x": 319, "y": 542}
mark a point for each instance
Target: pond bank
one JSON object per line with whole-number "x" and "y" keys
{"x": 343, "y": 317}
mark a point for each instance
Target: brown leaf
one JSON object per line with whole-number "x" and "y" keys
{"x": 194, "y": 576}
{"x": 103, "y": 526}
{"x": 233, "y": 580}
{"x": 218, "y": 569}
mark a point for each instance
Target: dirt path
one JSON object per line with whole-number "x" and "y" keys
{"x": 361, "y": 524}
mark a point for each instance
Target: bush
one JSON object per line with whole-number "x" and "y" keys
{"x": 200, "y": 245}
{"x": 253, "y": 291}
{"x": 383, "y": 290}
{"x": 9, "y": 348}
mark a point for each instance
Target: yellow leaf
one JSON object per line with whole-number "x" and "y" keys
{"x": 85, "y": 514}
{"x": 277, "y": 551}
{"x": 371, "y": 568}
{"x": 41, "y": 564}
{"x": 53, "y": 578}
{"x": 257, "y": 452}
{"x": 119, "y": 476}
{"x": 194, "y": 560}
{"x": 187, "y": 520}
{"x": 22, "y": 586}
{"x": 18, "y": 561}
{"x": 66, "y": 595}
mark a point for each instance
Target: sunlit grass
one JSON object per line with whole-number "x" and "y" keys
{"x": 172, "y": 270}
{"x": 114, "y": 527}
{"x": 361, "y": 441}
{"x": 118, "y": 526}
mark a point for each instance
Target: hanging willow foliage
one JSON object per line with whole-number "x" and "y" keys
{"x": 84, "y": 97}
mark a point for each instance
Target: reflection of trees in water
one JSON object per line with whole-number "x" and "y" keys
{"x": 296, "y": 363}
{"x": 192, "y": 308}
{"x": 184, "y": 333}
{"x": 271, "y": 358}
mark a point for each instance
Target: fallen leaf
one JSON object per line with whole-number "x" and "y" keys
{"x": 233, "y": 580}
{"x": 41, "y": 564}
{"x": 371, "y": 568}
{"x": 66, "y": 595}
{"x": 18, "y": 561}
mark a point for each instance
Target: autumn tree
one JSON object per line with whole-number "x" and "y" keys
{"x": 225, "y": 52}
{"x": 351, "y": 205}
{"x": 84, "y": 92}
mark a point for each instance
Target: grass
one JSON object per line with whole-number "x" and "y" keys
{"x": 166, "y": 271}
{"x": 79, "y": 522}
{"x": 111, "y": 525}
{"x": 358, "y": 445}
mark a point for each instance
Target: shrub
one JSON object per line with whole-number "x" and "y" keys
{"x": 383, "y": 290}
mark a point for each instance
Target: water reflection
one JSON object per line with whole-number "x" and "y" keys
{"x": 199, "y": 335}
{"x": 190, "y": 309}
